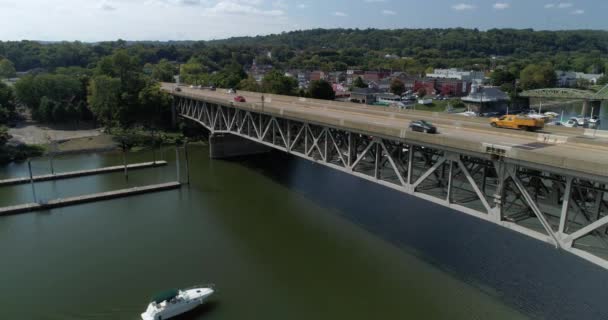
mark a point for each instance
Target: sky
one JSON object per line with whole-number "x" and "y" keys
{"x": 99, "y": 20}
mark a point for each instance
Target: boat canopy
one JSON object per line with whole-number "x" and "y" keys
{"x": 165, "y": 296}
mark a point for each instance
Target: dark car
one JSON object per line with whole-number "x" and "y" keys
{"x": 423, "y": 126}
{"x": 239, "y": 99}
{"x": 178, "y": 89}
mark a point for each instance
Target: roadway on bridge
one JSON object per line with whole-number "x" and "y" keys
{"x": 565, "y": 152}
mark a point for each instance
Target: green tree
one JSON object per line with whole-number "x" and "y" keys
{"x": 56, "y": 89}
{"x": 104, "y": 100}
{"x": 603, "y": 80}
{"x": 397, "y": 87}
{"x": 7, "y": 102}
{"x": 538, "y": 76}
{"x": 4, "y": 136}
{"x": 7, "y": 69}
{"x": 321, "y": 89}
{"x": 163, "y": 71}
{"x": 249, "y": 84}
{"x": 155, "y": 106}
{"x": 500, "y": 77}
{"x": 359, "y": 83}
{"x": 275, "y": 82}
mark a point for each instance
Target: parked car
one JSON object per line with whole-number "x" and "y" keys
{"x": 423, "y": 126}
{"x": 178, "y": 89}
{"x": 212, "y": 88}
{"x": 239, "y": 99}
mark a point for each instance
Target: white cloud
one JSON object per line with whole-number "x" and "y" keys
{"x": 502, "y": 5}
{"x": 281, "y": 4}
{"x": 578, "y": 11}
{"x": 564, "y": 5}
{"x": 389, "y": 12}
{"x": 340, "y": 14}
{"x": 106, "y": 6}
{"x": 302, "y": 6}
{"x": 550, "y": 5}
{"x": 240, "y": 7}
{"x": 463, "y": 7}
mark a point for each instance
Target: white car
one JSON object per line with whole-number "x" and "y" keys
{"x": 572, "y": 123}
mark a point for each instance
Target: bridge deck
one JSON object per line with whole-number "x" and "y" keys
{"x": 560, "y": 148}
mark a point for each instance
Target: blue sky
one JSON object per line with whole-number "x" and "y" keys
{"x": 94, "y": 20}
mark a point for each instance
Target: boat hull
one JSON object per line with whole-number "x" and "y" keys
{"x": 189, "y": 300}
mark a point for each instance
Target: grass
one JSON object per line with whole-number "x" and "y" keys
{"x": 437, "y": 105}
{"x": 101, "y": 142}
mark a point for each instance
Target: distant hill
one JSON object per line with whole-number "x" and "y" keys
{"x": 409, "y": 41}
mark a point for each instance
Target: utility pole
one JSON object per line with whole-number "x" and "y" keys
{"x": 187, "y": 164}
{"x": 29, "y": 166}
{"x": 177, "y": 162}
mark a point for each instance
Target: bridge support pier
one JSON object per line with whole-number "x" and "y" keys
{"x": 224, "y": 146}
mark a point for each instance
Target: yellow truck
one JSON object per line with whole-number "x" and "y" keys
{"x": 518, "y": 122}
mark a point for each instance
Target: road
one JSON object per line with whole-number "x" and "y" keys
{"x": 563, "y": 148}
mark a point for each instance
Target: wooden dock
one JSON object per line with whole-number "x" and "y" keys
{"x": 81, "y": 173}
{"x": 56, "y": 203}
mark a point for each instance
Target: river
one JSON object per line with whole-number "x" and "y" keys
{"x": 281, "y": 238}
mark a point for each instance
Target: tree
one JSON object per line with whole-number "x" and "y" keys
{"x": 321, "y": 89}
{"x": 55, "y": 90}
{"x": 7, "y": 69}
{"x": 7, "y": 102}
{"x": 538, "y": 76}
{"x": 277, "y": 83}
{"x": 422, "y": 92}
{"x": 603, "y": 80}
{"x": 249, "y": 84}
{"x": 397, "y": 87}
{"x": 359, "y": 83}
{"x": 104, "y": 100}
{"x": 500, "y": 77}
{"x": 4, "y": 136}
{"x": 155, "y": 106}
{"x": 163, "y": 71}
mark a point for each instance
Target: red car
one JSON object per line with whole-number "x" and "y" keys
{"x": 239, "y": 99}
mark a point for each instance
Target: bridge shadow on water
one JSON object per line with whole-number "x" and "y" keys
{"x": 526, "y": 274}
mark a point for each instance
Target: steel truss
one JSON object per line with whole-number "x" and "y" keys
{"x": 560, "y": 208}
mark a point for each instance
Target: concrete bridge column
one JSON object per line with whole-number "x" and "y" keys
{"x": 223, "y": 146}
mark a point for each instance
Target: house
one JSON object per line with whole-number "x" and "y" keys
{"x": 427, "y": 84}
{"x": 258, "y": 71}
{"x": 352, "y": 74}
{"x": 387, "y": 98}
{"x": 364, "y": 95}
{"x": 452, "y": 87}
{"x": 566, "y": 79}
{"x": 317, "y": 75}
{"x": 340, "y": 91}
{"x": 483, "y": 99}
{"x": 469, "y": 76}
{"x": 591, "y": 77}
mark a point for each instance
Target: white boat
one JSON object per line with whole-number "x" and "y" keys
{"x": 551, "y": 114}
{"x": 175, "y": 302}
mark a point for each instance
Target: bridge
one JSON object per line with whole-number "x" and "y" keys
{"x": 567, "y": 93}
{"x": 551, "y": 186}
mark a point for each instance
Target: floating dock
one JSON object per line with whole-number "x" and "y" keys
{"x": 56, "y": 203}
{"x": 81, "y": 173}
